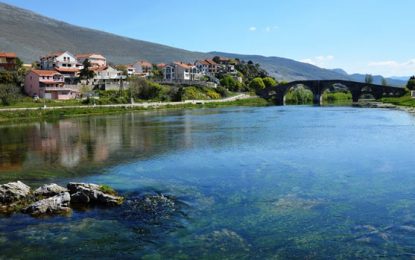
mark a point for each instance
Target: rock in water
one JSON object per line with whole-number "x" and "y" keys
{"x": 54, "y": 205}
{"x": 13, "y": 191}
{"x": 49, "y": 190}
{"x": 88, "y": 193}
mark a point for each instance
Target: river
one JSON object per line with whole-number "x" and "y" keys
{"x": 249, "y": 183}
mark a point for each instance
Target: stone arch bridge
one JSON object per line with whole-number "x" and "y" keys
{"x": 357, "y": 89}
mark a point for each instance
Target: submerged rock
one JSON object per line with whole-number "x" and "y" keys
{"x": 49, "y": 190}
{"x": 13, "y": 191}
{"x": 54, "y": 205}
{"x": 89, "y": 193}
{"x": 224, "y": 240}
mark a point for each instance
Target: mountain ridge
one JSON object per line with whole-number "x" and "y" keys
{"x": 32, "y": 35}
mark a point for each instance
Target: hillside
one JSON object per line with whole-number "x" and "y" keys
{"x": 31, "y": 35}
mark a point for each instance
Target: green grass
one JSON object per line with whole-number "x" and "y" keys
{"x": 107, "y": 189}
{"x": 55, "y": 114}
{"x": 405, "y": 100}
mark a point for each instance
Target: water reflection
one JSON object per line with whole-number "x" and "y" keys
{"x": 82, "y": 144}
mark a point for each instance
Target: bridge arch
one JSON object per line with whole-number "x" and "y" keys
{"x": 317, "y": 87}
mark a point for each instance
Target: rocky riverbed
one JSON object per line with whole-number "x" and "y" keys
{"x": 51, "y": 199}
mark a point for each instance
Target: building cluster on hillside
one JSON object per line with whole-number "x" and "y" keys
{"x": 57, "y": 75}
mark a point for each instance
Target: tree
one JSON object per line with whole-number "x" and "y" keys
{"x": 228, "y": 81}
{"x": 216, "y": 59}
{"x": 257, "y": 84}
{"x": 411, "y": 83}
{"x": 9, "y": 94}
{"x": 86, "y": 72}
{"x": 144, "y": 89}
{"x": 384, "y": 82}
{"x": 368, "y": 79}
{"x": 123, "y": 69}
{"x": 269, "y": 82}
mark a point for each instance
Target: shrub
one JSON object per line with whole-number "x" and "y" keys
{"x": 257, "y": 84}
{"x": 269, "y": 82}
{"x": 222, "y": 91}
{"x": 9, "y": 94}
{"x": 213, "y": 94}
{"x": 191, "y": 93}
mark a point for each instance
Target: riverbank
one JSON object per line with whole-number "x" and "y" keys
{"x": 57, "y": 112}
{"x": 383, "y": 104}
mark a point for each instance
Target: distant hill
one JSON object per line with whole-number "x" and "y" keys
{"x": 31, "y": 35}
{"x": 377, "y": 79}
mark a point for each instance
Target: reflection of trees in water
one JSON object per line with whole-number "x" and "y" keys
{"x": 86, "y": 142}
{"x": 68, "y": 143}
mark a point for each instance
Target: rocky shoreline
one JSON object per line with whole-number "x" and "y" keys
{"x": 373, "y": 104}
{"x": 52, "y": 199}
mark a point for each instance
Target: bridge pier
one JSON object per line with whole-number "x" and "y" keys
{"x": 317, "y": 99}
{"x": 355, "y": 96}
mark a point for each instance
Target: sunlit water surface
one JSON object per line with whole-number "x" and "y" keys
{"x": 274, "y": 182}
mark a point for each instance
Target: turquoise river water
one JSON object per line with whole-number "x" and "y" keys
{"x": 248, "y": 183}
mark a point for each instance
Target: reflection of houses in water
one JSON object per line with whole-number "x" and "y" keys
{"x": 88, "y": 140}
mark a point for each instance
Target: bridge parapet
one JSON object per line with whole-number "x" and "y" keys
{"x": 317, "y": 87}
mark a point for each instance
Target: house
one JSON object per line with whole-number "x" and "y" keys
{"x": 106, "y": 78}
{"x": 180, "y": 71}
{"x": 207, "y": 66}
{"x": 96, "y": 60}
{"x": 63, "y": 62}
{"x": 8, "y": 60}
{"x": 48, "y": 84}
{"x": 142, "y": 68}
{"x": 130, "y": 70}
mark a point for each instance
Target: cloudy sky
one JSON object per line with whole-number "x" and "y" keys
{"x": 365, "y": 36}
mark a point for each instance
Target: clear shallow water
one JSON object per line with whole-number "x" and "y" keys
{"x": 275, "y": 182}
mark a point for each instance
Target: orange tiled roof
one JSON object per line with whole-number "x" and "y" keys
{"x": 86, "y": 55}
{"x": 96, "y": 69}
{"x": 53, "y": 54}
{"x": 183, "y": 65}
{"x": 145, "y": 64}
{"x": 63, "y": 69}
{"x": 161, "y": 65}
{"x": 8, "y": 55}
{"x": 45, "y": 72}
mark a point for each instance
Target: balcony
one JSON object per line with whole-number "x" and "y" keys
{"x": 63, "y": 87}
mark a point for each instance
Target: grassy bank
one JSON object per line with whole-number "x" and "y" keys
{"x": 405, "y": 100}
{"x": 53, "y": 114}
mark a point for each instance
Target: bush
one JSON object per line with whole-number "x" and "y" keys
{"x": 299, "y": 95}
{"x": 192, "y": 93}
{"x": 9, "y": 94}
{"x": 222, "y": 91}
{"x": 257, "y": 84}
{"x": 269, "y": 82}
{"x": 213, "y": 94}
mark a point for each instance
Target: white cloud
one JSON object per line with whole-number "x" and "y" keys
{"x": 392, "y": 67}
{"x": 320, "y": 61}
{"x": 266, "y": 29}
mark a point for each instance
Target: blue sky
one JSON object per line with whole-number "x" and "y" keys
{"x": 373, "y": 36}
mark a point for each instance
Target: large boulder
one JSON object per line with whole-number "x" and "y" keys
{"x": 49, "y": 190}
{"x": 13, "y": 191}
{"x": 58, "y": 204}
{"x": 88, "y": 193}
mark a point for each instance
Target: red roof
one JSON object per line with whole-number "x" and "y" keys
{"x": 45, "y": 72}
{"x": 63, "y": 69}
{"x": 183, "y": 65}
{"x": 161, "y": 65}
{"x": 8, "y": 55}
{"x": 145, "y": 64}
{"x": 86, "y": 55}
{"x": 53, "y": 54}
